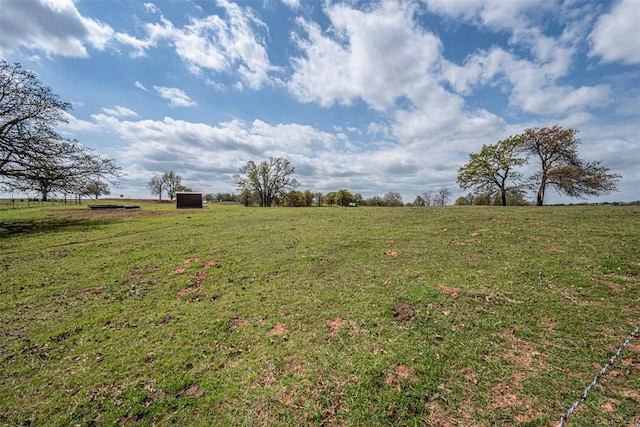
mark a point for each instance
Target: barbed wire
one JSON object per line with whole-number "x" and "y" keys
{"x": 600, "y": 374}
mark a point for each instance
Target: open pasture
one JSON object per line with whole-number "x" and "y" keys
{"x": 318, "y": 316}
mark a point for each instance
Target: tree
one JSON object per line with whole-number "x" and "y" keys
{"x": 97, "y": 188}
{"x": 427, "y": 197}
{"x": 470, "y": 198}
{"x": 392, "y": 199}
{"x": 29, "y": 113}
{"x": 156, "y": 186}
{"x": 461, "y": 201}
{"x": 493, "y": 167}
{"x": 308, "y": 198}
{"x": 181, "y": 189}
{"x": 556, "y": 149}
{"x": 330, "y": 198}
{"x": 69, "y": 169}
{"x": 442, "y": 197}
{"x": 418, "y": 201}
{"x": 343, "y": 197}
{"x": 33, "y": 156}
{"x": 270, "y": 179}
{"x": 295, "y": 198}
{"x": 246, "y": 197}
{"x": 171, "y": 181}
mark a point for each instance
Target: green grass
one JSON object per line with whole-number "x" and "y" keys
{"x": 290, "y": 316}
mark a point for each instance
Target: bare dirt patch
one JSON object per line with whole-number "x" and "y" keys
{"x": 109, "y": 215}
{"x": 191, "y": 391}
{"x": 403, "y": 311}
{"x": 449, "y": 290}
{"x": 93, "y": 290}
{"x": 208, "y": 264}
{"x": 391, "y": 252}
{"x": 196, "y": 288}
{"x": 335, "y": 325}
{"x": 555, "y": 251}
{"x": 278, "y": 329}
{"x": 237, "y": 322}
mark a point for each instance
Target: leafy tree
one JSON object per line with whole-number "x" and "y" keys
{"x": 318, "y": 197}
{"x": 97, "y": 188}
{"x": 556, "y": 149}
{"x": 461, "y": 201}
{"x": 246, "y": 197}
{"x": 181, "y": 188}
{"x": 343, "y": 197}
{"x": 295, "y": 198}
{"x": 493, "y": 167}
{"x": 483, "y": 199}
{"x": 308, "y": 198}
{"x": 375, "y": 201}
{"x": 156, "y": 186}
{"x": 330, "y": 198}
{"x": 442, "y": 197}
{"x": 470, "y": 198}
{"x": 392, "y": 199}
{"x": 419, "y": 201}
{"x": 270, "y": 179}
{"x": 171, "y": 181}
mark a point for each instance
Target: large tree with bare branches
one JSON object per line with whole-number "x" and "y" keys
{"x": 33, "y": 155}
{"x": 556, "y": 150}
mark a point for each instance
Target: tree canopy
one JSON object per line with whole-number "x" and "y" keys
{"x": 269, "y": 179}
{"x": 492, "y": 168}
{"x": 33, "y": 155}
{"x": 556, "y": 150}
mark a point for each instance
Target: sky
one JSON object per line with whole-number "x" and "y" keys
{"x": 370, "y": 96}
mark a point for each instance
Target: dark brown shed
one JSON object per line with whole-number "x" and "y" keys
{"x": 188, "y": 200}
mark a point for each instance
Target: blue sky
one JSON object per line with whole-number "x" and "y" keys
{"x": 371, "y": 96}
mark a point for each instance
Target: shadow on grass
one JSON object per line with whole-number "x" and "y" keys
{"x": 19, "y": 227}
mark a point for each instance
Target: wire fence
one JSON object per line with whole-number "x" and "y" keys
{"x": 27, "y": 202}
{"x": 600, "y": 374}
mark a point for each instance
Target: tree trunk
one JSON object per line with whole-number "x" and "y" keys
{"x": 540, "y": 195}
{"x": 504, "y": 198}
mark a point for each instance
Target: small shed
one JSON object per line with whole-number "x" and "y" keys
{"x": 188, "y": 200}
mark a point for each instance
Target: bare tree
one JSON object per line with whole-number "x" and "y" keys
{"x": 427, "y": 197}
{"x": 442, "y": 197}
{"x": 33, "y": 156}
{"x": 156, "y": 186}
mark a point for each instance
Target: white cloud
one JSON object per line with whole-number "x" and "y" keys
{"x": 177, "y": 97}
{"x": 140, "y": 86}
{"x": 214, "y": 43}
{"x": 377, "y": 55}
{"x": 293, "y": 4}
{"x": 54, "y": 27}
{"x": 119, "y": 111}
{"x": 150, "y": 7}
{"x": 616, "y": 36}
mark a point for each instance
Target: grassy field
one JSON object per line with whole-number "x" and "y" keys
{"x": 455, "y": 316}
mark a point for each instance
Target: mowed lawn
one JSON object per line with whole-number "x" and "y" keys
{"x": 453, "y": 316}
